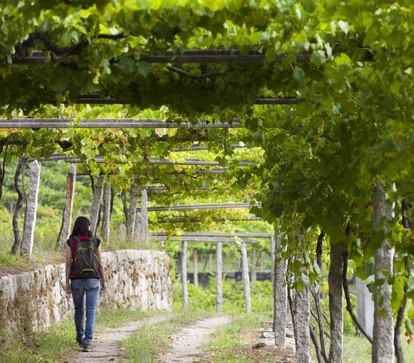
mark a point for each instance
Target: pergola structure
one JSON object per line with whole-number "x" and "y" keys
{"x": 218, "y": 238}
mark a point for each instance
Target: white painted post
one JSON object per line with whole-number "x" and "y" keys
{"x": 184, "y": 288}
{"x": 106, "y": 223}
{"x": 31, "y": 209}
{"x": 67, "y": 212}
{"x": 246, "y": 279}
{"x": 96, "y": 200}
{"x": 219, "y": 273}
{"x": 144, "y": 216}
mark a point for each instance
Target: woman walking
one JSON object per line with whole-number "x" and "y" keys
{"x": 84, "y": 278}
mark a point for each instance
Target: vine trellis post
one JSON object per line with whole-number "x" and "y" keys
{"x": 219, "y": 276}
{"x": 246, "y": 279}
{"x": 279, "y": 292}
{"x": 106, "y": 223}
{"x": 144, "y": 216}
{"x": 184, "y": 286}
{"x": 31, "y": 209}
{"x": 96, "y": 200}
{"x": 67, "y": 212}
{"x": 195, "y": 267}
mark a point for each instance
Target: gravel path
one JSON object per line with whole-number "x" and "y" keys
{"x": 106, "y": 344}
{"x": 187, "y": 345}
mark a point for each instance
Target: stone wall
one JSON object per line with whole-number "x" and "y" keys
{"x": 35, "y": 299}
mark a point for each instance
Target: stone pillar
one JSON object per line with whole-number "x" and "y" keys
{"x": 106, "y": 223}
{"x": 246, "y": 279}
{"x": 219, "y": 276}
{"x": 96, "y": 201}
{"x": 144, "y": 216}
{"x": 184, "y": 287}
{"x": 31, "y": 209}
{"x": 67, "y": 212}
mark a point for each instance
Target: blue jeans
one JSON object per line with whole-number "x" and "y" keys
{"x": 80, "y": 289}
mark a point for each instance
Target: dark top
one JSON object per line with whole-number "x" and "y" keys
{"x": 71, "y": 242}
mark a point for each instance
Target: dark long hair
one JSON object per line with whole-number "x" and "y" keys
{"x": 82, "y": 226}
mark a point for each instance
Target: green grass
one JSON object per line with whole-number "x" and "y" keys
{"x": 358, "y": 350}
{"x": 152, "y": 340}
{"x": 57, "y": 343}
{"x": 232, "y": 342}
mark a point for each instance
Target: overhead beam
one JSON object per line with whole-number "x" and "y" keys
{"x": 115, "y": 101}
{"x": 56, "y": 123}
{"x": 195, "y": 220}
{"x": 202, "y": 239}
{"x": 216, "y": 234}
{"x": 233, "y": 56}
{"x": 100, "y": 159}
{"x": 202, "y": 206}
{"x": 196, "y": 147}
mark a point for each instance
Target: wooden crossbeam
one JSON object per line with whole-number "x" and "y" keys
{"x": 56, "y": 123}
{"x": 202, "y": 206}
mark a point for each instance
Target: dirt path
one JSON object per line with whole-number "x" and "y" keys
{"x": 187, "y": 345}
{"x": 106, "y": 344}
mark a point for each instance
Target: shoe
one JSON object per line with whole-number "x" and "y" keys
{"x": 87, "y": 347}
{"x": 79, "y": 341}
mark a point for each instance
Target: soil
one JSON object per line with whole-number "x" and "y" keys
{"x": 106, "y": 345}
{"x": 9, "y": 270}
{"x": 187, "y": 345}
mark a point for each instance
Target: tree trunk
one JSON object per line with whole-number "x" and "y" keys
{"x": 335, "y": 303}
{"x": 31, "y": 209}
{"x": 144, "y": 216}
{"x": 254, "y": 263}
{"x": 67, "y": 212}
{"x": 316, "y": 345}
{"x": 279, "y": 295}
{"x": 195, "y": 268}
{"x": 2, "y": 168}
{"x": 184, "y": 290}
{"x": 246, "y": 280}
{"x": 219, "y": 269}
{"x": 106, "y": 224}
{"x": 317, "y": 297}
{"x": 349, "y": 307}
{"x": 132, "y": 210}
{"x": 96, "y": 201}
{"x": 302, "y": 321}
{"x": 383, "y": 339}
{"x": 399, "y": 353}
{"x": 20, "y": 200}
